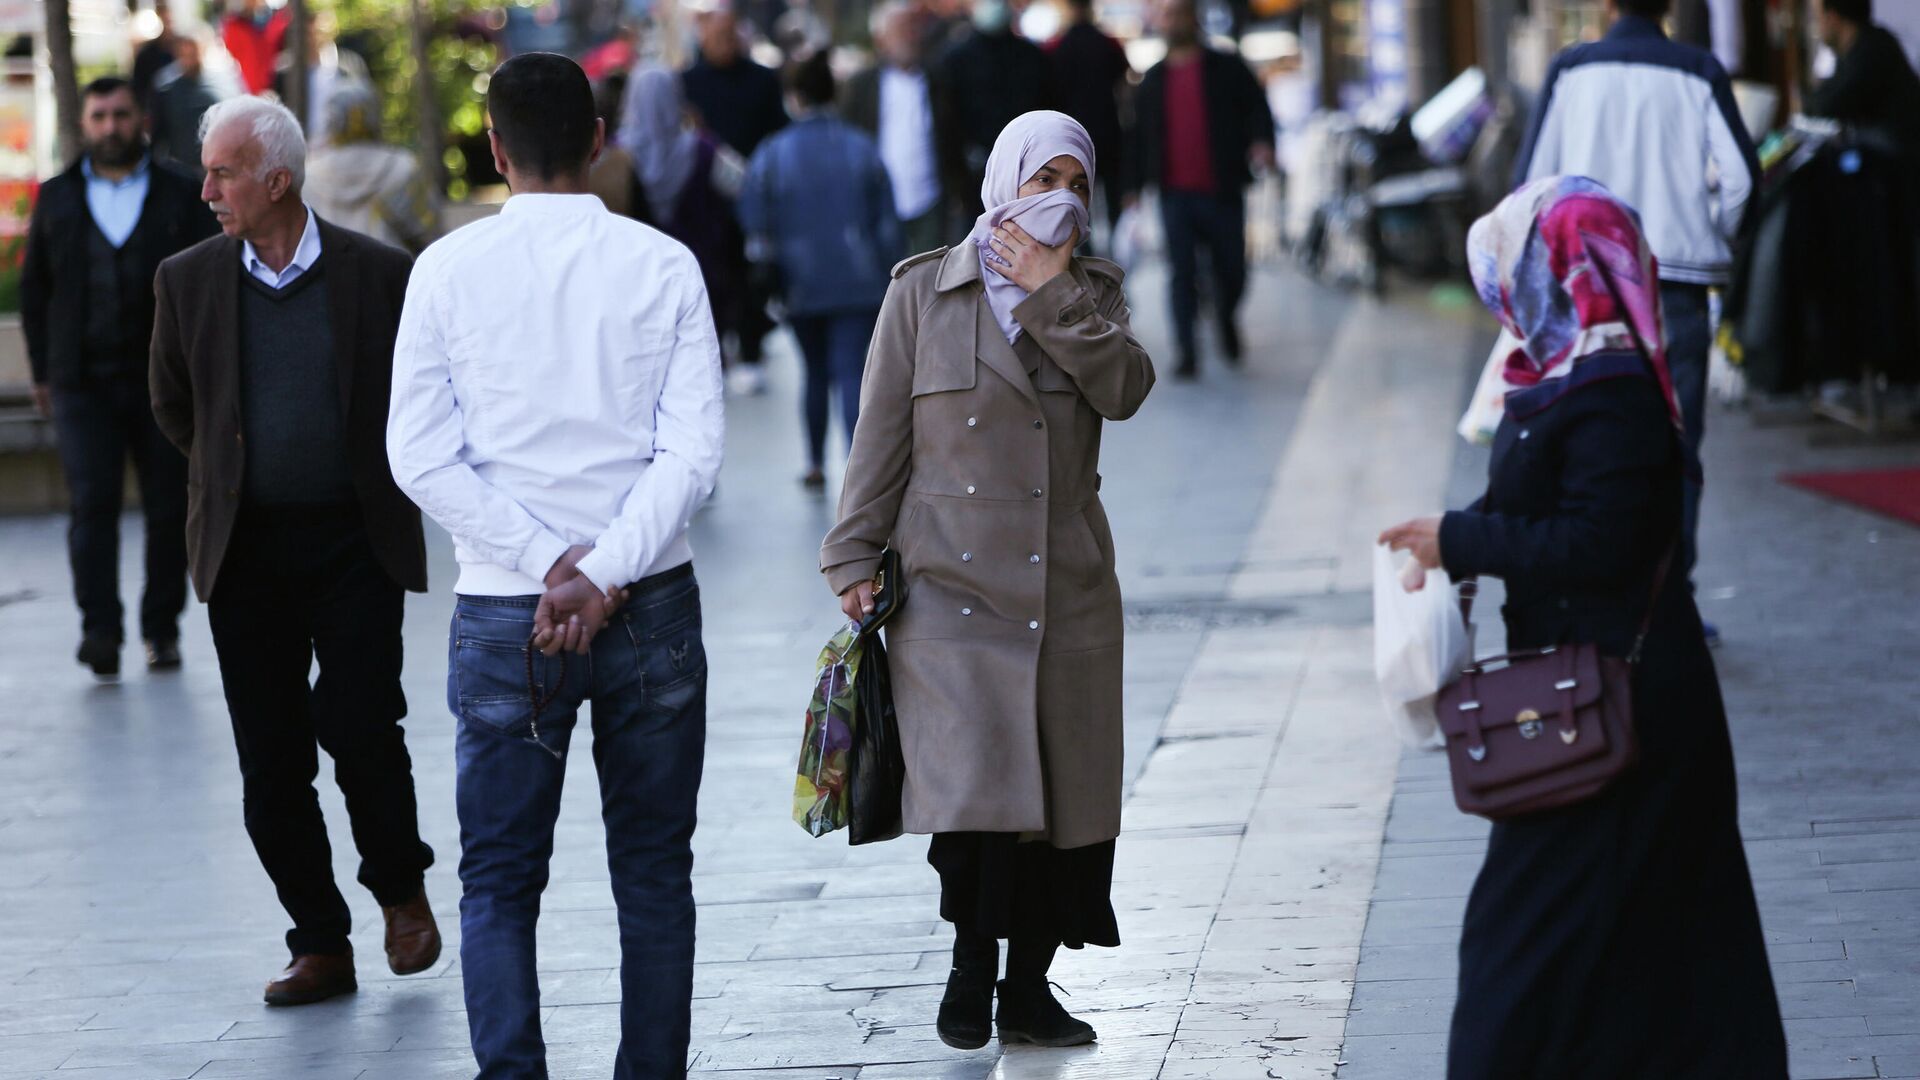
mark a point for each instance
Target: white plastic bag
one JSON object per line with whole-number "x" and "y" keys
{"x": 1420, "y": 644}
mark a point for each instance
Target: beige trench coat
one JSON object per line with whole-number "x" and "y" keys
{"x": 977, "y": 461}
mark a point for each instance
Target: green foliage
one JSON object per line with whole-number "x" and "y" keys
{"x": 379, "y": 29}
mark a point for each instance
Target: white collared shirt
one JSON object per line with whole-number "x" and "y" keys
{"x": 556, "y": 381}
{"x": 906, "y": 141}
{"x": 304, "y": 256}
{"x": 116, "y": 205}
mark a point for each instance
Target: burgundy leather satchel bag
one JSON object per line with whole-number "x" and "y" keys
{"x": 1540, "y": 728}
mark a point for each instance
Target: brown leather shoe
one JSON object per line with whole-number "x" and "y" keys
{"x": 312, "y": 978}
{"x": 413, "y": 938}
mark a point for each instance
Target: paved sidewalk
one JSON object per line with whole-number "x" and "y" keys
{"x": 1815, "y": 600}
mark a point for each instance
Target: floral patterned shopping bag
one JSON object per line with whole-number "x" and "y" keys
{"x": 820, "y": 789}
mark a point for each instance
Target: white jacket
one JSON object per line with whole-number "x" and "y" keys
{"x": 1655, "y": 121}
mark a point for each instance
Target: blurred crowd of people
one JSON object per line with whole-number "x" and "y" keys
{"x": 798, "y": 190}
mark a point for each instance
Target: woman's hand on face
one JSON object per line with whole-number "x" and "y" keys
{"x": 857, "y": 601}
{"x": 1420, "y": 537}
{"x": 1031, "y": 263}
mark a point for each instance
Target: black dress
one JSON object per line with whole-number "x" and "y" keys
{"x": 1618, "y": 937}
{"x": 995, "y": 886}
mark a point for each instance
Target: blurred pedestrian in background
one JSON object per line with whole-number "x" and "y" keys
{"x": 272, "y": 365}
{"x": 330, "y": 69}
{"x": 153, "y": 55}
{"x": 819, "y": 208}
{"x": 1201, "y": 130}
{"x": 568, "y": 499}
{"x": 253, "y": 34}
{"x": 1872, "y": 87}
{"x": 182, "y": 95}
{"x": 739, "y": 101}
{"x": 983, "y": 82}
{"x": 1087, "y": 74}
{"x": 1656, "y": 122}
{"x": 98, "y": 233}
{"x": 688, "y": 181}
{"x": 977, "y": 459}
{"x": 611, "y": 177}
{"x": 893, "y": 102}
{"x": 1618, "y": 936}
{"x": 358, "y": 182}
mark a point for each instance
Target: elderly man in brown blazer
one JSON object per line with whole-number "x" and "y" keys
{"x": 271, "y": 368}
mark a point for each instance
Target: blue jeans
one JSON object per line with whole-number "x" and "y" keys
{"x": 835, "y": 349}
{"x": 646, "y": 675}
{"x": 1689, "y": 326}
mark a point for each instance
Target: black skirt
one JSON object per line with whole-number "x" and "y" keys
{"x": 994, "y": 885}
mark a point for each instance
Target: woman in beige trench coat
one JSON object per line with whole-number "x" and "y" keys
{"x": 992, "y": 369}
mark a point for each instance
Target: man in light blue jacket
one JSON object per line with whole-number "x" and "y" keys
{"x": 818, "y": 209}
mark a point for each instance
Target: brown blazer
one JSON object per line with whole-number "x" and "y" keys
{"x": 195, "y": 381}
{"x": 978, "y": 462}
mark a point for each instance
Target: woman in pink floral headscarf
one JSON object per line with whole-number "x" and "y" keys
{"x": 1617, "y": 937}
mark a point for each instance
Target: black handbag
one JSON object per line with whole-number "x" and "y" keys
{"x": 876, "y": 766}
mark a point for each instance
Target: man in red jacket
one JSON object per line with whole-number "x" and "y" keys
{"x": 253, "y": 36}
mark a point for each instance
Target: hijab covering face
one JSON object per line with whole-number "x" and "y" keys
{"x": 1563, "y": 265}
{"x": 1031, "y": 141}
{"x": 653, "y": 131}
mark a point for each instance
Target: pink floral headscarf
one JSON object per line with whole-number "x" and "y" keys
{"x": 1563, "y": 265}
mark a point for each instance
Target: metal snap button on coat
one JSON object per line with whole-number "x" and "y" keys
{"x": 1523, "y": 433}
{"x": 1033, "y": 626}
{"x": 973, "y": 421}
{"x": 966, "y": 556}
{"x": 969, "y": 489}
{"x": 1033, "y": 558}
{"x": 966, "y": 611}
{"x": 1038, "y": 424}
{"x": 1036, "y": 493}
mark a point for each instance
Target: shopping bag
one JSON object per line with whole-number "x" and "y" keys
{"x": 820, "y": 797}
{"x": 876, "y": 767}
{"x": 1420, "y": 643}
{"x": 1489, "y": 402}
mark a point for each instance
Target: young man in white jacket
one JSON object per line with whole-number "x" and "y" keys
{"x": 1655, "y": 121}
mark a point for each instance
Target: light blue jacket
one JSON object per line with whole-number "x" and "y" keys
{"x": 817, "y": 198}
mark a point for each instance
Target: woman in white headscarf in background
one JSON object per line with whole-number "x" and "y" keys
{"x": 976, "y": 457}
{"x": 358, "y": 182}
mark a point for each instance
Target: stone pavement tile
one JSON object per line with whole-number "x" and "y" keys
{"x": 1401, "y": 1007}
{"x": 1395, "y": 1057}
{"x": 1818, "y": 999}
{"x": 158, "y": 1071}
{"x": 967, "y": 1067}
{"x": 1140, "y": 1056}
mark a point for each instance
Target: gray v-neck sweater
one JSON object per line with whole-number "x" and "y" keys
{"x": 296, "y": 453}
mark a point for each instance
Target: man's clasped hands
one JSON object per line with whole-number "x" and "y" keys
{"x": 573, "y": 609}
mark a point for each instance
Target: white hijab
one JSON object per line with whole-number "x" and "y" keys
{"x": 653, "y": 130}
{"x": 1030, "y": 141}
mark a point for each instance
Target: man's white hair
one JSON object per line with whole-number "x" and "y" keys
{"x": 274, "y": 130}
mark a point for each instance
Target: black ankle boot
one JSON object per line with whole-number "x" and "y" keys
{"x": 966, "y": 1012}
{"x": 1029, "y": 1013}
